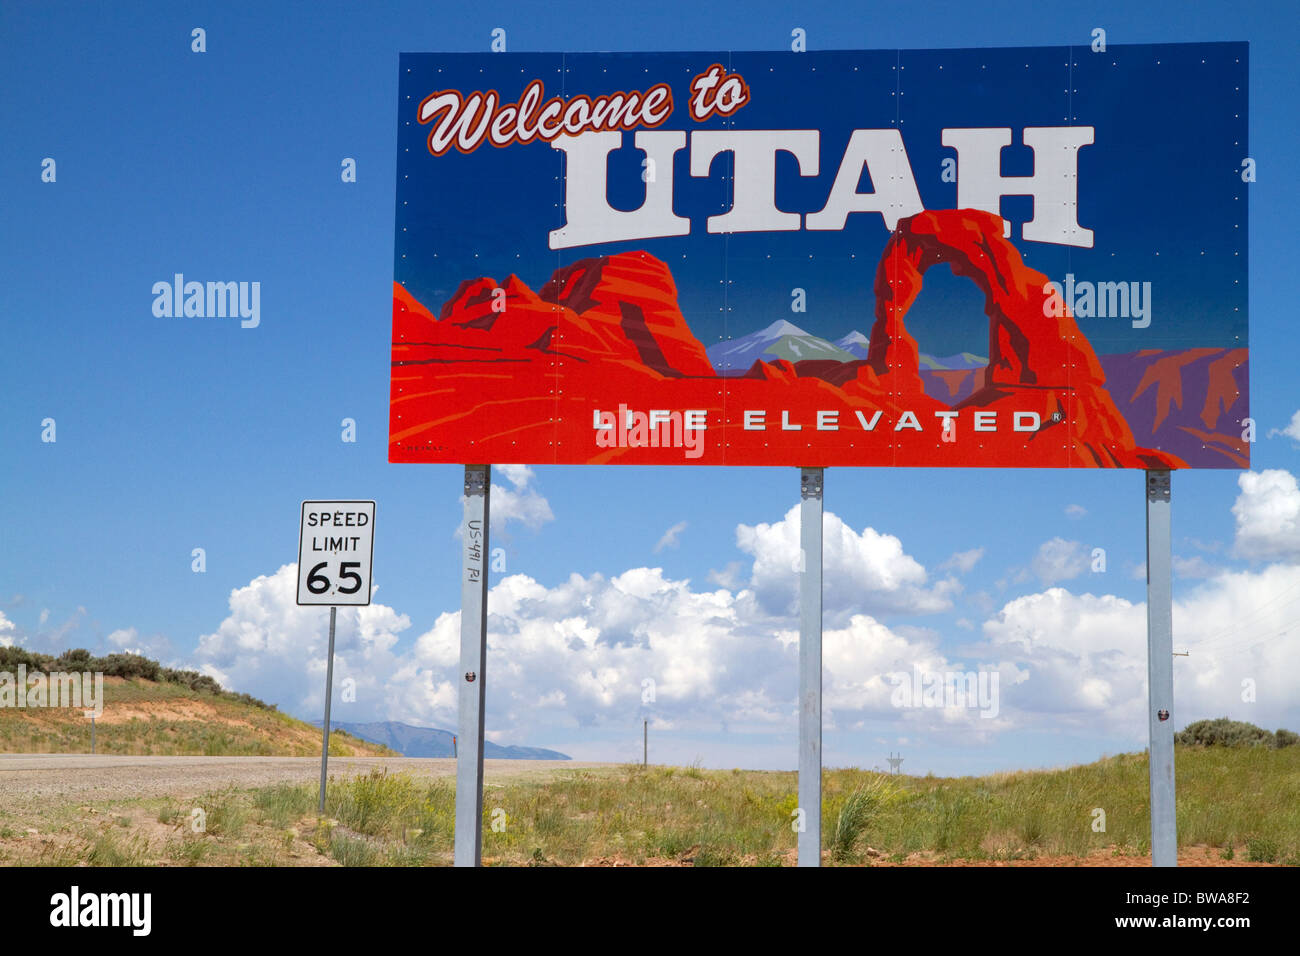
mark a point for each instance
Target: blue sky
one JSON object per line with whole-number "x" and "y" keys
{"x": 175, "y": 434}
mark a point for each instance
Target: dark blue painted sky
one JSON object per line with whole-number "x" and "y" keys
{"x": 1160, "y": 187}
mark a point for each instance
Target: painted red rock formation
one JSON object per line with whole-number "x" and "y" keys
{"x": 505, "y": 374}
{"x": 629, "y": 299}
{"x": 1038, "y": 359}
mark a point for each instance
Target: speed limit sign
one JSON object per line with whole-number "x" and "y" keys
{"x": 336, "y": 552}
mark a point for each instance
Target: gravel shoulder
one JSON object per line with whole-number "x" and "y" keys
{"x": 85, "y": 777}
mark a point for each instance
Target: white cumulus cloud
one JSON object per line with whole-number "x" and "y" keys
{"x": 519, "y": 500}
{"x": 270, "y": 647}
{"x": 582, "y": 653}
{"x": 1060, "y": 560}
{"x": 864, "y": 572}
{"x": 1086, "y": 654}
{"x": 1268, "y": 515}
{"x": 963, "y": 561}
{"x": 1292, "y": 430}
{"x": 669, "y": 539}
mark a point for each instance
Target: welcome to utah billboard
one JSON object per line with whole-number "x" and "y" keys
{"x": 1015, "y": 257}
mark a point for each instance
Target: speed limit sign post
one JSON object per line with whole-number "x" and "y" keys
{"x": 335, "y": 558}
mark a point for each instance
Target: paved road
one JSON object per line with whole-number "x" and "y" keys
{"x": 105, "y": 777}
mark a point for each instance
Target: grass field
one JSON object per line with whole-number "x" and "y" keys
{"x": 156, "y": 717}
{"x": 1240, "y": 803}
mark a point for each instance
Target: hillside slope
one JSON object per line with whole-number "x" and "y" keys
{"x": 142, "y": 716}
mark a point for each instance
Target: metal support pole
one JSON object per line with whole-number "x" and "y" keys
{"x": 92, "y": 735}
{"x": 473, "y": 660}
{"x": 810, "y": 665}
{"x": 1160, "y": 669}
{"x": 329, "y": 687}
{"x": 645, "y": 743}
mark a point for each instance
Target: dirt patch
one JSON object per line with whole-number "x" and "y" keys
{"x": 178, "y": 709}
{"x": 1187, "y": 856}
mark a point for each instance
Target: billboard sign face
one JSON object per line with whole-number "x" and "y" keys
{"x": 1002, "y": 257}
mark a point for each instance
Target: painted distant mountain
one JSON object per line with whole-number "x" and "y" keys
{"x": 780, "y": 340}
{"x": 785, "y": 340}
{"x": 855, "y": 343}
{"x": 412, "y": 741}
{"x": 961, "y": 360}
{"x": 949, "y": 378}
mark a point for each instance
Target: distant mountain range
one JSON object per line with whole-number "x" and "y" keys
{"x": 412, "y": 741}
{"x": 785, "y": 340}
